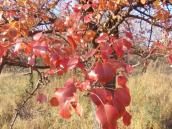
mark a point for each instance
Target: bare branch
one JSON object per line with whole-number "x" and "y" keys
{"x": 41, "y": 81}
{"x": 150, "y": 22}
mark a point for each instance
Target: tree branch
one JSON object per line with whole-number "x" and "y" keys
{"x": 150, "y": 22}
{"x": 41, "y": 81}
{"x": 24, "y": 65}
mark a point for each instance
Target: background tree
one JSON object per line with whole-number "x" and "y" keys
{"x": 92, "y": 38}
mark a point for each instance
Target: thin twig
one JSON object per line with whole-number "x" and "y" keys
{"x": 150, "y": 36}
{"x": 17, "y": 111}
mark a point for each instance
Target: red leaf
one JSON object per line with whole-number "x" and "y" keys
{"x": 69, "y": 88}
{"x": 107, "y": 115}
{"x": 40, "y": 48}
{"x": 102, "y": 72}
{"x": 92, "y": 76}
{"x": 17, "y": 47}
{"x": 78, "y": 109}
{"x": 60, "y": 72}
{"x": 51, "y": 71}
{"x": 66, "y": 98}
{"x": 87, "y": 18}
{"x": 72, "y": 42}
{"x": 118, "y": 49}
{"x": 102, "y": 38}
{"x": 63, "y": 94}
{"x": 55, "y": 59}
{"x": 89, "y": 36}
{"x": 72, "y": 63}
{"x": 120, "y": 46}
{"x": 77, "y": 8}
{"x": 170, "y": 59}
{"x": 106, "y": 50}
{"x": 3, "y": 51}
{"x": 64, "y": 63}
{"x": 122, "y": 96}
{"x": 126, "y": 43}
{"x": 129, "y": 34}
{"x": 90, "y": 54}
{"x": 1, "y": 59}
{"x": 126, "y": 118}
{"x": 84, "y": 85}
{"x": 37, "y": 36}
{"x": 65, "y": 110}
{"x": 70, "y": 84}
{"x": 119, "y": 106}
{"x": 86, "y": 6}
{"x": 31, "y": 60}
{"x": 95, "y": 5}
{"x": 100, "y": 96}
{"x": 107, "y": 73}
{"x": 54, "y": 101}
{"x": 80, "y": 65}
{"x": 122, "y": 80}
{"x": 99, "y": 71}
{"x": 116, "y": 64}
{"x": 159, "y": 45}
{"x": 41, "y": 98}
{"x": 129, "y": 68}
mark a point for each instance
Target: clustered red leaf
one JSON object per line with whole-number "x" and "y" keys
{"x": 120, "y": 46}
{"x": 111, "y": 105}
{"x": 66, "y": 98}
{"x": 102, "y": 72}
{"x": 122, "y": 81}
{"x": 107, "y": 115}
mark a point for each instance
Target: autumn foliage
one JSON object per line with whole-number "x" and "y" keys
{"x": 82, "y": 36}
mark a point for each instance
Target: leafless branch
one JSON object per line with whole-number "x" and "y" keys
{"x": 150, "y": 22}
{"x": 41, "y": 81}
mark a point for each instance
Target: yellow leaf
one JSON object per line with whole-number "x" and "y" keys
{"x": 143, "y": 1}
{"x": 21, "y": 2}
{"x": 157, "y": 4}
{"x": 102, "y": 4}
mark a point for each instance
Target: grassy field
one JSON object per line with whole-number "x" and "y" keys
{"x": 151, "y": 106}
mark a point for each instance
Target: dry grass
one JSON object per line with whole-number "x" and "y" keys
{"x": 151, "y": 100}
{"x": 151, "y": 105}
